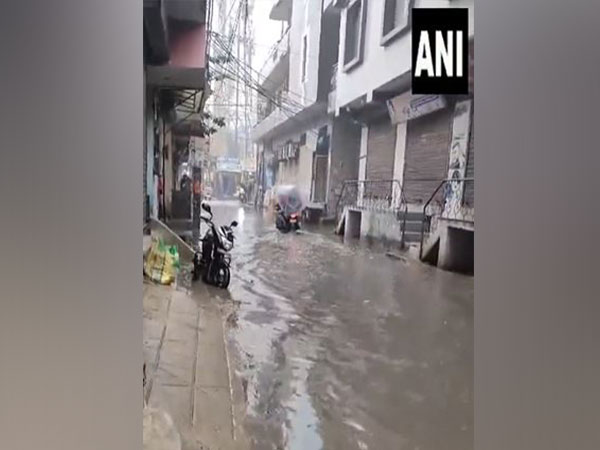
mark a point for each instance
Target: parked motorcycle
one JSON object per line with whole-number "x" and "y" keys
{"x": 213, "y": 263}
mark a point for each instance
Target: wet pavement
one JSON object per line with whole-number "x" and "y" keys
{"x": 339, "y": 346}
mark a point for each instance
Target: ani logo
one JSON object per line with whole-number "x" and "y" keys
{"x": 440, "y": 51}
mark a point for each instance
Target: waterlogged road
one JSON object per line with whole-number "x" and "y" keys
{"x": 342, "y": 347}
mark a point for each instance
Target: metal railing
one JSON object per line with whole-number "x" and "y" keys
{"x": 374, "y": 195}
{"x": 453, "y": 199}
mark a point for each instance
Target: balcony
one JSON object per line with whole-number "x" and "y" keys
{"x": 191, "y": 11}
{"x": 276, "y": 67}
{"x": 282, "y": 10}
{"x": 187, "y": 60}
{"x": 275, "y": 116}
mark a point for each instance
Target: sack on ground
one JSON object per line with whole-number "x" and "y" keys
{"x": 162, "y": 262}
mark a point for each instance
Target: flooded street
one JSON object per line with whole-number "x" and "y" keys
{"x": 342, "y": 347}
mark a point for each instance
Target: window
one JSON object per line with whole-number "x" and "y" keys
{"x": 396, "y": 19}
{"x": 304, "y": 56}
{"x": 354, "y": 39}
{"x": 302, "y": 139}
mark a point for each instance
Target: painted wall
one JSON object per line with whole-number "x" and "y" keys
{"x": 188, "y": 48}
{"x": 382, "y": 64}
{"x": 306, "y": 21}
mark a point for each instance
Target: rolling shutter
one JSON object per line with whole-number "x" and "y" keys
{"x": 426, "y": 157}
{"x": 381, "y": 145}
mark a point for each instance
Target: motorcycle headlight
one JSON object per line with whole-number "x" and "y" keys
{"x": 227, "y": 245}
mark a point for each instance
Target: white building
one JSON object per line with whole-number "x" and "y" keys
{"x": 293, "y": 126}
{"x": 405, "y": 141}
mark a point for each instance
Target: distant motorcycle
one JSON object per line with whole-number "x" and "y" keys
{"x": 289, "y": 207}
{"x": 286, "y": 222}
{"x": 214, "y": 262}
{"x": 242, "y": 196}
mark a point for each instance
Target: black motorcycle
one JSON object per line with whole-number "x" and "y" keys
{"x": 213, "y": 264}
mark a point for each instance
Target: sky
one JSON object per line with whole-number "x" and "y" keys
{"x": 266, "y": 31}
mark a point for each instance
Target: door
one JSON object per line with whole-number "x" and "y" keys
{"x": 319, "y": 189}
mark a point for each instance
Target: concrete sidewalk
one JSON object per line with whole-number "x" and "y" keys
{"x": 187, "y": 366}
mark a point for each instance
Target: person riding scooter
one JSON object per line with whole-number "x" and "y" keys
{"x": 288, "y": 207}
{"x": 284, "y": 222}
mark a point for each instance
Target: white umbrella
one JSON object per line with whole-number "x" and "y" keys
{"x": 290, "y": 199}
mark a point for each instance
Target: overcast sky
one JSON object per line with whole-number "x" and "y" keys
{"x": 266, "y": 31}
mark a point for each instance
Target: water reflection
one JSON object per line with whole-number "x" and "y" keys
{"x": 342, "y": 347}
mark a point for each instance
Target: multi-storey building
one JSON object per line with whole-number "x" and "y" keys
{"x": 175, "y": 63}
{"x": 409, "y": 145}
{"x": 293, "y": 129}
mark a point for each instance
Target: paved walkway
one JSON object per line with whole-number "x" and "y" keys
{"x": 187, "y": 366}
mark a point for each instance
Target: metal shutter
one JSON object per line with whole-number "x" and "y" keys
{"x": 426, "y": 157}
{"x": 381, "y": 145}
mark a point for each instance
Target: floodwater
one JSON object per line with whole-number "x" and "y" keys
{"x": 342, "y": 347}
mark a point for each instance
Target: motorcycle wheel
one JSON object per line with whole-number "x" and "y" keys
{"x": 206, "y": 275}
{"x": 223, "y": 277}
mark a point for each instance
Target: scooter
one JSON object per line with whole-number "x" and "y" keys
{"x": 214, "y": 262}
{"x": 286, "y": 223}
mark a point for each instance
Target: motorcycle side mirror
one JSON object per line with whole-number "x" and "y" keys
{"x": 206, "y": 207}
{"x": 234, "y": 224}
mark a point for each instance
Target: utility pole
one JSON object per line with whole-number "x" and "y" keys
{"x": 237, "y": 91}
{"x": 247, "y": 67}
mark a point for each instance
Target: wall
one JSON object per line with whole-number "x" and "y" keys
{"x": 149, "y": 149}
{"x": 306, "y": 20}
{"x": 343, "y": 157}
{"x": 381, "y": 64}
{"x": 380, "y": 225}
{"x": 188, "y": 48}
{"x": 168, "y": 171}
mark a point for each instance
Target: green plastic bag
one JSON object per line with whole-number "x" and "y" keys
{"x": 162, "y": 262}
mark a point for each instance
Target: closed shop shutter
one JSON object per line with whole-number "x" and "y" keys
{"x": 470, "y": 172}
{"x": 381, "y": 145}
{"x": 426, "y": 157}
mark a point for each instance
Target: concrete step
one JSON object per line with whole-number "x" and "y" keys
{"x": 410, "y": 216}
{"x": 413, "y": 225}
{"x": 412, "y": 236}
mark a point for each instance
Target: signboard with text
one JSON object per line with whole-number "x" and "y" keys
{"x": 407, "y": 107}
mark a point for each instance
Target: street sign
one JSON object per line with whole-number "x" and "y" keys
{"x": 407, "y": 107}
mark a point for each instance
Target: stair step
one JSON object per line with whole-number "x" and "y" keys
{"x": 412, "y": 225}
{"x": 412, "y": 236}
{"x": 411, "y": 216}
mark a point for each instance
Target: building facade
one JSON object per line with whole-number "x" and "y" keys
{"x": 337, "y": 118}
{"x": 293, "y": 132}
{"x": 410, "y": 146}
{"x": 175, "y": 65}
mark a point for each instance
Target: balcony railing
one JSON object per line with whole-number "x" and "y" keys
{"x": 453, "y": 200}
{"x": 280, "y": 49}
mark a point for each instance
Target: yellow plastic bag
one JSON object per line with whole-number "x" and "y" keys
{"x": 162, "y": 262}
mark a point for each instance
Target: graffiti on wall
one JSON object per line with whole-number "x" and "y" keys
{"x": 457, "y": 168}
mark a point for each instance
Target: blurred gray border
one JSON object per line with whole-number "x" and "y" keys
{"x": 537, "y": 336}
{"x": 71, "y": 224}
